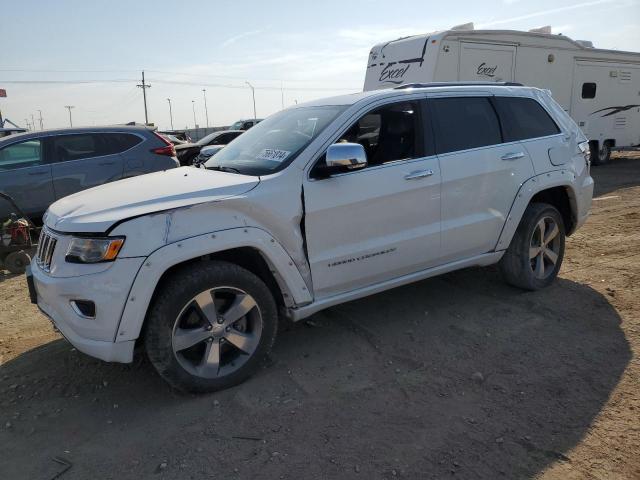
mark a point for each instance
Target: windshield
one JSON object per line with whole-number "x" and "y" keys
{"x": 237, "y": 125}
{"x": 275, "y": 142}
{"x": 205, "y": 140}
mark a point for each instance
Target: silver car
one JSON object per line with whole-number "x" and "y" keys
{"x": 39, "y": 168}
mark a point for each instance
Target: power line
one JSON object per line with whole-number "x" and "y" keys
{"x": 67, "y": 82}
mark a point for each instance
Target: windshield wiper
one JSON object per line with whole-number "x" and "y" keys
{"x": 222, "y": 168}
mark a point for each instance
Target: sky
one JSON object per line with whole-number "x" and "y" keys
{"x": 90, "y": 54}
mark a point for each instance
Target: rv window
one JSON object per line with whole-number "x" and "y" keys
{"x": 462, "y": 123}
{"x": 588, "y": 90}
{"x": 523, "y": 118}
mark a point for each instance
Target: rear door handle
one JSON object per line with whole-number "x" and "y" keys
{"x": 106, "y": 163}
{"x": 512, "y": 156}
{"x": 37, "y": 173}
{"x": 418, "y": 174}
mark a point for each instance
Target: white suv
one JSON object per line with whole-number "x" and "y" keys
{"x": 317, "y": 205}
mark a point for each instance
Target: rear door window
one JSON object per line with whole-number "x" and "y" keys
{"x": 119, "y": 142}
{"x": 461, "y": 123}
{"x": 21, "y": 155}
{"x": 75, "y": 147}
{"x": 524, "y": 118}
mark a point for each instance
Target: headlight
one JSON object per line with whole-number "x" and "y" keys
{"x": 94, "y": 250}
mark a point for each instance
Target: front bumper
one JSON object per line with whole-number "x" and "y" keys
{"x": 108, "y": 289}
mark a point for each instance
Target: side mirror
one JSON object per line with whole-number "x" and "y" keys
{"x": 342, "y": 157}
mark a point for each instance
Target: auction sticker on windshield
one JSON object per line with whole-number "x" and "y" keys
{"x": 273, "y": 155}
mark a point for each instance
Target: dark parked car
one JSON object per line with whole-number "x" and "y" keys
{"x": 188, "y": 151}
{"x": 245, "y": 124}
{"x": 40, "y": 167}
{"x": 5, "y": 132}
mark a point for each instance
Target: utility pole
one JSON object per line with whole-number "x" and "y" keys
{"x": 193, "y": 107}
{"x": 253, "y": 92}
{"x": 144, "y": 87}
{"x": 26, "y": 121}
{"x": 33, "y": 122}
{"x": 206, "y": 112}
{"x": 69, "y": 107}
{"x": 41, "y": 122}
{"x": 170, "y": 113}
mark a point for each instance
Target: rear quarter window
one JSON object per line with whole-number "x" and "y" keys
{"x": 461, "y": 123}
{"x": 119, "y": 142}
{"x": 524, "y": 118}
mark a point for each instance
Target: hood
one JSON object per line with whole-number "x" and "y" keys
{"x": 97, "y": 209}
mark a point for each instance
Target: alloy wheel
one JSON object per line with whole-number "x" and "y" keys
{"x": 544, "y": 248}
{"x": 216, "y": 332}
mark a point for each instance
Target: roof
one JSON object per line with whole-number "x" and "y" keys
{"x": 66, "y": 131}
{"x": 441, "y": 34}
{"x": 507, "y": 88}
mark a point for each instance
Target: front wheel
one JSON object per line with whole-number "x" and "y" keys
{"x": 210, "y": 327}
{"x": 535, "y": 254}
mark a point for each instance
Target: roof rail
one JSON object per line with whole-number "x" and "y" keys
{"x": 457, "y": 84}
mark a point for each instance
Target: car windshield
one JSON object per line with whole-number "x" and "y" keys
{"x": 205, "y": 140}
{"x": 275, "y": 142}
{"x": 237, "y": 125}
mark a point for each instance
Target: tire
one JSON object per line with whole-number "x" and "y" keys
{"x": 602, "y": 155}
{"x": 16, "y": 262}
{"x": 520, "y": 265}
{"x": 210, "y": 327}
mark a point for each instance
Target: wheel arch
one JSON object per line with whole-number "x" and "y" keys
{"x": 251, "y": 248}
{"x": 555, "y": 188}
{"x": 561, "y": 198}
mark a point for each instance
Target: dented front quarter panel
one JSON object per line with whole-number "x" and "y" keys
{"x": 267, "y": 218}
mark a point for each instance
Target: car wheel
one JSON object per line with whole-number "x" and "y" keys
{"x": 16, "y": 262}
{"x": 602, "y": 155}
{"x": 210, "y": 327}
{"x": 535, "y": 254}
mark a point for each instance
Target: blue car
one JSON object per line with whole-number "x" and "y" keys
{"x": 39, "y": 168}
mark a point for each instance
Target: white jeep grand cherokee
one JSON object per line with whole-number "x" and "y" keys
{"x": 317, "y": 205}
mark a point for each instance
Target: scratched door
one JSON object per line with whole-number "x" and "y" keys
{"x": 486, "y": 62}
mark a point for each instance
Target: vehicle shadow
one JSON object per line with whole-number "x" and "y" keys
{"x": 622, "y": 171}
{"x": 457, "y": 374}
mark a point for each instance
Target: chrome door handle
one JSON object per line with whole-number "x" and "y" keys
{"x": 512, "y": 156}
{"x": 418, "y": 174}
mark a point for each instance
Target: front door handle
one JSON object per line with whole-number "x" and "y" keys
{"x": 512, "y": 156}
{"x": 418, "y": 174}
{"x": 38, "y": 173}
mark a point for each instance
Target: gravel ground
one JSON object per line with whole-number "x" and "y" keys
{"x": 458, "y": 376}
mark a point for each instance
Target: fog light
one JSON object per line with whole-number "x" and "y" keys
{"x": 84, "y": 308}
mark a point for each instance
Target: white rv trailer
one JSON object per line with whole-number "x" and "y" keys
{"x": 600, "y": 89}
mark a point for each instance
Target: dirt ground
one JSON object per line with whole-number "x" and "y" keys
{"x": 458, "y": 376}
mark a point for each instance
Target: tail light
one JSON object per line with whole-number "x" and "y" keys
{"x": 585, "y": 151}
{"x": 168, "y": 150}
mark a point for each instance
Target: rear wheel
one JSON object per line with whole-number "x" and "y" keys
{"x": 535, "y": 254}
{"x": 601, "y": 155}
{"x": 210, "y": 327}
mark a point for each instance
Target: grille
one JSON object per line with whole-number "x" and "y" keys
{"x": 46, "y": 246}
